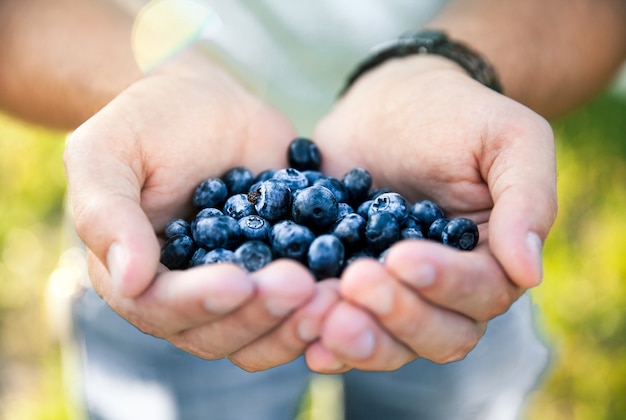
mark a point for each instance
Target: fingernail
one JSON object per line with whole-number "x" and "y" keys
{"x": 535, "y": 247}
{"x": 307, "y": 330}
{"x": 363, "y": 346}
{"x": 422, "y": 275}
{"x": 380, "y": 299}
{"x": 279, "y": 307}
{"x": 335, "y": 365}
{"x": 223, "y": 303}
{"x": 117, "y": 260}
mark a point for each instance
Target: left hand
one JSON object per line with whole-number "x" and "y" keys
{"x": 424, "y": 128}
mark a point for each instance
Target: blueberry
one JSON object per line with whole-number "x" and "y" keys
{"x": 436, "y": 229}
{"x": 412, "y": 222}
{"x": 364, "y": 253}
{"x": 254, "y": 227}
{"x": 177, "y": 251}
{"x": 202, "y": 214}
{"x": 209, "y": 212}
{"x": 217, "y": 232}
{"x": 238, "y": 206}
{"x": 238, "y": 180}
{"x": 313, "y": 176}
{"x": 303, "y": 155}
{"x": 335, "y": 186}
{"x": 351, "y": 231}
{"x": 343, "y": 210}
{"x": 426, "y": 212}
{"x": 253, "y": 255}
{"x": 461, "y": 233}
{"x": 290, "y": 240}
{"x": 378, "y": 191}
{"x": 357, "y": 182}
{"x": 392, "y": 203}
{"x": 315, "y": 207}
{"x": 364, "y": 209}
{"x": 325, "y": 257}
{"x": 197, "y": 258}
{"x": 177, "y": 227}
{"x": 411, "y": 233}
{"x": 272, "y": 200}
{"x": 294, "y": 179}
{"x": 211, "y": 192}
{"x": 264, "y": 175}
{"x": 220, "y": 255}
{"x": 382, "y": 231}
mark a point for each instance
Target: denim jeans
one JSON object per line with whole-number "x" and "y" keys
{"x": 126, "y": 374}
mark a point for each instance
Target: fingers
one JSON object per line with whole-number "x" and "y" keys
{"x": 470, "y": 283}
{"x": 522, "y": 181}
{"x": 290, "y": 339}
{"x": 430, "y": 331}
{"x": 358, "y": 341}
{"x": 214, "y": 311}
{"x": 105, "y": 199}
{"x": 281, "y": 288}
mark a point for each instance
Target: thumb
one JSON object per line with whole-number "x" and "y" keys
{"x": 105, "y": 196}
{"x": 522, "y": 181}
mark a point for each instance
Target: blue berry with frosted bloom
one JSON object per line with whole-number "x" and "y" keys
{"x": 211, "y": 192}
{"x": 382, "y": 231}
{"x": 436, "y": 228}
{"x": 357, "y": 182}
{"x": 217, "y": 232}
{"x": 264, "y": 175}
{"x": 303, "y": 154}
{"x": 253, "y": 255}
{"x": 411, "y": 233}
{"x": 254, "y": 227}
{"x": 197, "y": 258}
{"x": 364, "y": 209}
{"x": 325, "y": 256}
{"x": 315, "y": 207}
{"x": 238, "y": 206}
{"x": 460, "y": 233}
{"x": 351, "y": 231}
{"x": 177, "y": 227}
{"x": 238, "y": 180}
{"x": 219, "y": 255}
{"x": 343, "y": 209}
{"x": 426, "y": 212}
{"x": 177, "y": 251}
{"x": 335, "y": 186}
{"x": 313, "y": 176}
{"x": 272, "y": 200}
{"x": 290, "y": 240}
{"x": 393, "y": 203}
{"x": 294, "y": 179}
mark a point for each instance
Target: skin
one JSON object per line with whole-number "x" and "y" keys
{"x": 138, "y": 151}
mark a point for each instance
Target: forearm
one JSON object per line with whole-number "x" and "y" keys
{"x": 62, "y": 60}
{"x": 551, "y": 55}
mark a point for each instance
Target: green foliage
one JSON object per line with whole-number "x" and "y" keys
{"x": 32, "y": 187}
{"x": 583, "y": 297}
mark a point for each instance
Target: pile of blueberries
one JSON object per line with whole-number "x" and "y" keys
{"x": 299, "y": 213}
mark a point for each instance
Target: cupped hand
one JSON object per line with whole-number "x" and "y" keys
{"x": 134, "y": 165}
{"x": 424, "y": 128}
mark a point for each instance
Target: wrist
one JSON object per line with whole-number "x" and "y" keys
{"x": 429, "y": 42}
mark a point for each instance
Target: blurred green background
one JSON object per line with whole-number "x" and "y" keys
{"x": 582, "y": 299}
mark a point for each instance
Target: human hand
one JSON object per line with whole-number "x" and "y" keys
{"x": 422, "y": 127}
{"x": 134, "y": 165}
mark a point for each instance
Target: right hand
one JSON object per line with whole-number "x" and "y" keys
{"x": 135, "y": 164}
